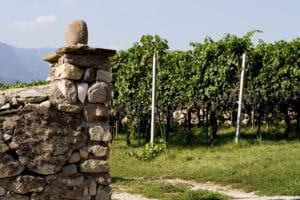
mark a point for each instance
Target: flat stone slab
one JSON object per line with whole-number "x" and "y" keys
{"x": 78, "y": 50}
{"x": 51, "y": 58}
{"x": 31, "y": 96}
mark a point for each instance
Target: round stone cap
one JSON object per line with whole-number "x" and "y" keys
{"x": 76, "y": 33}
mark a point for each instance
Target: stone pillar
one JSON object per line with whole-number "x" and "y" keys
{"x": 54, "y": 139}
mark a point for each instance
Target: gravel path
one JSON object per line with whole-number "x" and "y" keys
{"x": 227, "y": 190}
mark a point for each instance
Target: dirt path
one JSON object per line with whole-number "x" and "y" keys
{"x": 227, "y": 190}
{"x": 127, "y": 196}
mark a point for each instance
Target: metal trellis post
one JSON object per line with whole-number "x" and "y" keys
{"x": 244, "y": 60}
{"x": 153, "y": 106}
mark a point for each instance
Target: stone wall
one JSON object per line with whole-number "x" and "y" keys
{"x": 54, "y": 139}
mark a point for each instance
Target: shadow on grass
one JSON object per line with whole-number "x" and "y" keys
{"x": 117, "y": 179}
{"x": 226, "y": 135}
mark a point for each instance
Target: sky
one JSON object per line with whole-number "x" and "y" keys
{"x": 117, "y": 24}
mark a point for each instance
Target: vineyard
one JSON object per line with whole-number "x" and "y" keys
{"x": 204, "y": 81}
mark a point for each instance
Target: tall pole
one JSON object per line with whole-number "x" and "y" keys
{"x": 238, "y": 123}
{"x": 153, "y": 105}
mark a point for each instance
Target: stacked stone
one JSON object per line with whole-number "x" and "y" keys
{"x": 54, "y": 139}
{"x": 83, "y": 78}
{"x": 81, "y": 74}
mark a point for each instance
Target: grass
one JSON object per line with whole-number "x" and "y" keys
{"x": 19, "y": 84}
{"x": 268, "y": 165}
{"x": 166, "y": 191}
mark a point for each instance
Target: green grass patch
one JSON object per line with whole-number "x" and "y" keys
{"x": 166, "y": 191}
{"x": 19, "y": 84}
{"x": 268, "y": 165}
{"x": 200, "y": 195}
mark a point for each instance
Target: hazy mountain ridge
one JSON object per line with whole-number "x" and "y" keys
{"x": 23, "y": 64}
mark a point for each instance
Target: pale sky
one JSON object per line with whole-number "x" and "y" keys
{"x": 117, "y": 24}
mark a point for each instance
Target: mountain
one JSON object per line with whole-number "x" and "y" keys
{"x": 23, "y": 64}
